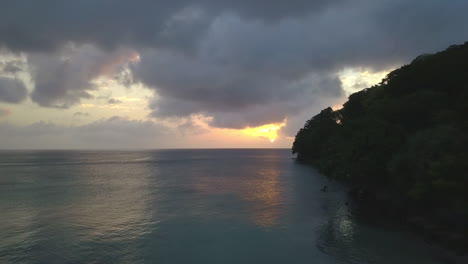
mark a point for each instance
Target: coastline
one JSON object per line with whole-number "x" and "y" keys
{"x": 378, "y": 206}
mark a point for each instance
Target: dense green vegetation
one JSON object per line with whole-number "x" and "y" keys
{"x": 405, "y": 138}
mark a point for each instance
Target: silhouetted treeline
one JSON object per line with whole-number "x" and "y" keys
{"x": 405, "y": 138}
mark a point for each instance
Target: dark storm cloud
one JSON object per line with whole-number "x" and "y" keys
{"x": 310, "y": 91}
{"x": 64, "y": 78}
{"x": 244, "y": 63}
{"x": 12, "y": 90}
{"x": 59, "y": 83}
{"x": 28, "y": 25}
{"x": 236, "y": 106}
{"x": 249, "y": 72}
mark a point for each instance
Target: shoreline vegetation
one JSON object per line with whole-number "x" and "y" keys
{"x": 402, "y": 147}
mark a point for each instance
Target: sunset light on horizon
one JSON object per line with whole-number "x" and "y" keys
{"x": 246, "y": 131}
{"x": 199, "y": 76}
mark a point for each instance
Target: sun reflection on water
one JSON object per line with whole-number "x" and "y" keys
{"x": 261, "y": 189}
{"x": 265, "y": 195}
{"x": 116, "y": 206}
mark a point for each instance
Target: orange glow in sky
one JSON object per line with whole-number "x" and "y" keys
{"x": 269, "y": 131}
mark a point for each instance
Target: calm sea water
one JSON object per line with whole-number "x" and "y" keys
{"x": 183, "y": 206}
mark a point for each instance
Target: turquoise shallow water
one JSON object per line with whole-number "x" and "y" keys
{"x": 183, "y": 206}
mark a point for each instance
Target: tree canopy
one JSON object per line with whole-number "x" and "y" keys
{"x": 407, "y": 135}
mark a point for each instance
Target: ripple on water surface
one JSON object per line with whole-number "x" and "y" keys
{"x": 183, "y": 206}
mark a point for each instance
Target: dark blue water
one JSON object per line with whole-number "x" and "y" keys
{"x": 183, "y": 206}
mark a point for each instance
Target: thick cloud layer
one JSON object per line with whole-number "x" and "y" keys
{"x": 243, "y": 63}
{"x": 49, "y": 24}
{"x": 247, "y": 73}
{"x": 64, "y": 78}
{"x": 12, "y": 90}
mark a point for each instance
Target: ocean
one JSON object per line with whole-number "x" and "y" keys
{"x": 184, "y": 206}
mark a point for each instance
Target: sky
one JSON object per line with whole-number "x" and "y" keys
{"x": 149, "y": 74}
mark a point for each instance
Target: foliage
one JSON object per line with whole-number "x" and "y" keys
{"x": 407, "y": 135}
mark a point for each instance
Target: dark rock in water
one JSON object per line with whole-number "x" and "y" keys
{"x": 324, "y": 188}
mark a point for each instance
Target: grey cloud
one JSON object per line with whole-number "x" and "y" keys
{"x": 247, "y": 72}
{"x": 64, "y": 78}
{"x": 114, "y": 133}
{"x": 81, "y": 114}
{"x": 274, "y": 10}
{"x": 117, "y": 128}
{"x": 243, "y": 62}
{"x": 310, "y": 93}
{"x": 202, "y": 79}
{"x": 47, "y": 25}
{"x": 12, "y": 90}
{"x": 12, "y": 67}
{"x": 106, "y": 23}
{"x": 268, "y": 104}
{"x": 114, "y": 101}
{"x": 189, "y": 127}
{"x": 59, "y": 83}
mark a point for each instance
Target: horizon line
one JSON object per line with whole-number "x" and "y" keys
{"x": 130, "y": 149}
